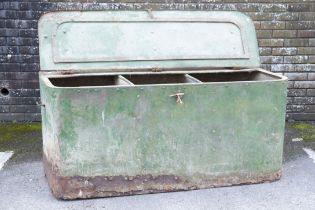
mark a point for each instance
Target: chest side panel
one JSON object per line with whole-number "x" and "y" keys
{"x": 142, "y": 130}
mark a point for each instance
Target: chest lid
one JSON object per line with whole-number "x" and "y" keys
{"x": 131, "y": 40}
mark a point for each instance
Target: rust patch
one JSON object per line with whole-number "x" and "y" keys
{"x": 74, "y": 187}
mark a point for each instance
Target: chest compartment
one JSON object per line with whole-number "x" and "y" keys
{"x": 137, "y": 102}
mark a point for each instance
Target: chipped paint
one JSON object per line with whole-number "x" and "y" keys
{"x": 103, "y": 118}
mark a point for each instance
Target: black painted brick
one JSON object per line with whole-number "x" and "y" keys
{"x": 296, "y": 92}
{"x": 12, "y": 117}
{"x": 24, "y": 93}
{"x": 25, "y": 109}
{"x": 296, "y": 76}
{"x": 9, "y": 67}
{"x": 295, "y": 108}
{"x": 310, "y": 92}
{"x": 33, "y": 117}
{"x": 310, "y": 108}
{"x": 4, "y": 108}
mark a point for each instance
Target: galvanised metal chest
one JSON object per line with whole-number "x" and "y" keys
{"x": 140, "y": 102}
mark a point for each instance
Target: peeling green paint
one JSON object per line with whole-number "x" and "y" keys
{"x": 112, "y": 107}
{"x": 67, "y": 133}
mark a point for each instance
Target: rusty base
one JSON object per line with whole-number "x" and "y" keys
{"x": 74, "y": 187}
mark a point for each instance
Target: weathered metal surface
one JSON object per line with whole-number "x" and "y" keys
{"x": 132, "y": 103}
{"x": 74, "y": 187}
{"x": 135, "y": 40}
{"x": 223, "y": 133}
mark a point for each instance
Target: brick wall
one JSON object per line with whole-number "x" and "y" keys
{"x": 285, "y": 29}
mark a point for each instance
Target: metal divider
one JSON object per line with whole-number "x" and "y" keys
{"x": 192, "y": 79}
{"x": 121, "y": 80}
{"x": 153, "y": 79}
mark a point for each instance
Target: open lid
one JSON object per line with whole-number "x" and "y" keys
{"x": 98, "y": 40}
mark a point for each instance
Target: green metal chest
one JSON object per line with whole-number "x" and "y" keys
{"x": 141, "y": 102}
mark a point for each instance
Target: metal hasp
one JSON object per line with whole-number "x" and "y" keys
{"x": 138, "y": 103}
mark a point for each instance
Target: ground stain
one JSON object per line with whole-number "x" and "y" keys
{"x": 294, "y": 149}
{"x": 24, "y": 139}
{"x": 306, "y": 130}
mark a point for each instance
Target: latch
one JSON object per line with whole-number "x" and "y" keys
{"x": 178, "y": 96}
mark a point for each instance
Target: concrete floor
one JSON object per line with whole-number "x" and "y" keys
{"x": 23, "y": 186}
